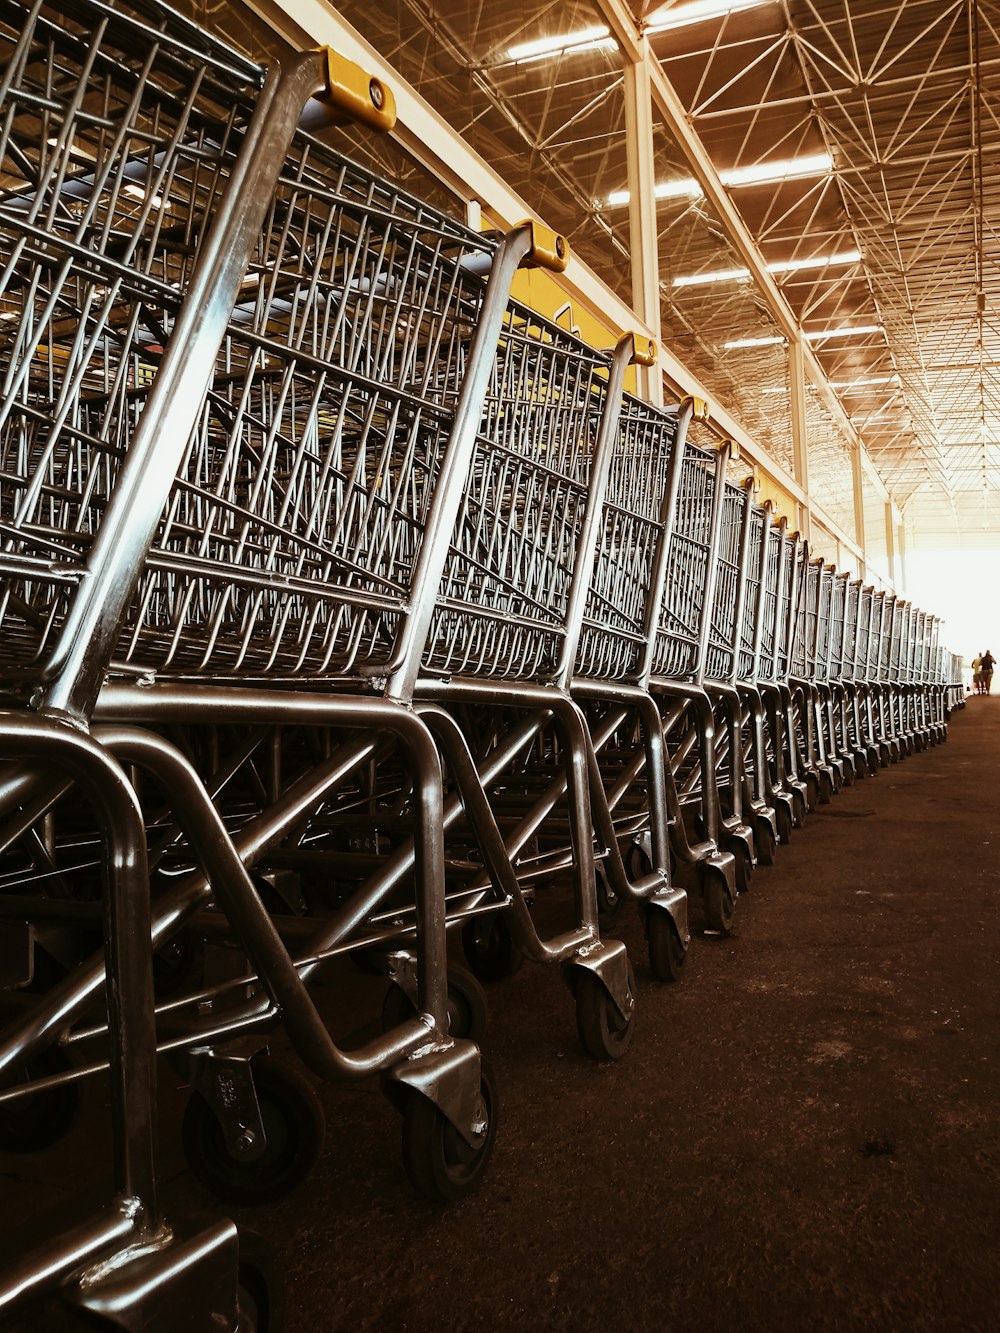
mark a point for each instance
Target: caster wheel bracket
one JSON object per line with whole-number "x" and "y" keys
{"x": 608, "y": 961}
{"x": 447, "y": 1076}
{"x": 226, "y": 1083}
{"x": 675, "y": 902}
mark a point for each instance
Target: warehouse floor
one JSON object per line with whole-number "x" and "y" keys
{"x": 805, "y": 1133}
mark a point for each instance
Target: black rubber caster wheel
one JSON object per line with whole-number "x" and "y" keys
{"x": 40, "y": 1119}
{"x": 717, "y": 902}
{"x": 294, "y": 1126}
{"x": 812, "y": 793}
{"x": 825, "y": 788}
{"x": 261, "y": 1286}
{"x": 800, "y": 808}
{"x": 667, "y": 954}
{"x": 604, "y": 1033}
{"x": 784, "y": 817}
{"x": 441, "y": 1165}
{"x": 490, "y": 949}
{"x": 467, "y": 1008}
{"x": 744, "y": 866}
{"x": 765, "y": 843}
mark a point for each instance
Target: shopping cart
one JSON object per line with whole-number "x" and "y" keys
{"x": 780, "y": 592}
{"x": 138, "y": 158}
{"x": 496, "y": 671}
{"x": 721, "y": 848}
{"x": 765, "y": 786}
{"x": 740, "y": 752}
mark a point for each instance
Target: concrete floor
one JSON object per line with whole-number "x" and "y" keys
{"x": 804, "y": 1135}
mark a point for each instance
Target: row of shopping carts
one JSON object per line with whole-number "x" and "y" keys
{"x": 348, "y": 607}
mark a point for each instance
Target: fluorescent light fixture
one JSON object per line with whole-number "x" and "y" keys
{"x": 716, "y": 275}
{"x": 815, "y": 261}
{"x": 771, "y": 341}
{"x": 778, "y": 266}
{"x": 846, "y": 331}
{"x": 782, "y": 169}
{"x": 762, "y": 173}
{"x": 697, "y": 11}
{"x": 814, "y": 335}
{"x": 681, "y": 189}
{"x": 870, "y": 382}
{"x": 584, "y": 39}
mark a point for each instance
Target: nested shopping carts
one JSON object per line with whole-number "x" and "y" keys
{"x": 346, "y": 602}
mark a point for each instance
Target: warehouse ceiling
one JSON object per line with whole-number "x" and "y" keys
{"x": 855, "y": 138}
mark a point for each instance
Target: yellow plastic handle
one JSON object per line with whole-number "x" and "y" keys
{"x": 644, "y": 350}
{"x": 699, "y": 407}
{"x": 354, "y": 94}
{"x": 549, "y": 249}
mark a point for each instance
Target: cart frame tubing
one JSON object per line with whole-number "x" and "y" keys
{"x": 225, "y": 858}
{"x": 128, "y": 965}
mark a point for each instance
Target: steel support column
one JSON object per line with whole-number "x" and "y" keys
{"x": 643, "y": 248}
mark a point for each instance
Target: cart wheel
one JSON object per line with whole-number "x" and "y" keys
{"x": 39, "y": 1119}
{"x": 719, "y": 906}
{"x": 825, "y": 788}
{"x": 604, "y": 1034}
{"x": 667, "y": 954}
{"x": 744, "y": 866}
{"x": 812, "y": 793}
{"x": 765, "y": 842}
{"x": 784, "y": 818}
{"x": 467, "y": 1007}
{"x": 440, "y": 1164}
{"x": 261, "y": 1289}
{"x": 490, "y": 949}
{"x": 293, "y": 1123}
{"x": 800, "y": 808}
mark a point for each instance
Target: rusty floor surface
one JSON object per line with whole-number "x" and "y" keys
{"x": 805, "y": 1134}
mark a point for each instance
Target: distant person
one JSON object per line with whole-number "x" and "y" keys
{"x": 977, "y": 675}
{"x": 986, "y": 670}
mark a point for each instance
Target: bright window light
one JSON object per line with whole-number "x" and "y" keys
{"x": 584, "y": 39}
{"x": 763, "y": 173}
{"x": 696, "y": 11}
{"x": 137, "y": 192}
{"x": 778, "y": 266}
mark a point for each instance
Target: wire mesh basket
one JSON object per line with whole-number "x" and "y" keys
{"x": 613, "y": 641}
{"x": 290, "y": 537}
{"x": 678, "y": 638}
{"x": 120, "y": 127}
{"x": 720, "y": 656}
{"x": 502, "y": 606}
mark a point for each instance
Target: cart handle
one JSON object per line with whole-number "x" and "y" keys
{"x": 354, "y": 94}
